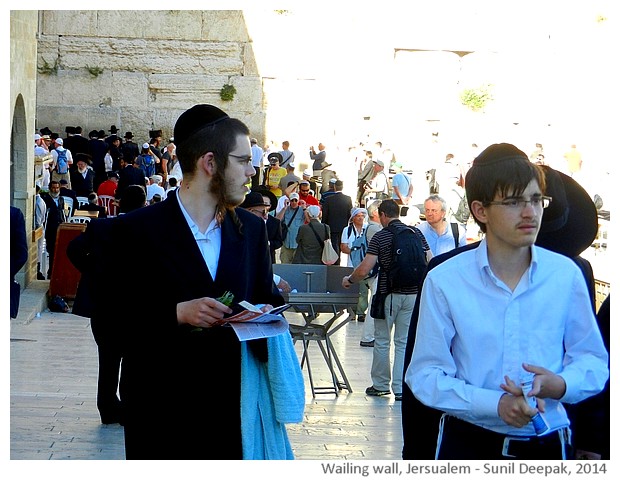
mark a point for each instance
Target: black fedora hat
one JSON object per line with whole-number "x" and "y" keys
{"x": 263, "y": 190}
{"x": 253, "y": 199}
{"x": 570, "y": 223}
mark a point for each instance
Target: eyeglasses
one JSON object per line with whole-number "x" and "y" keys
{"x": 247, "y": 158}
{"x": 294, "y": 200}
{"x": 520, "y": 203}
{"x": 259, "y": 211}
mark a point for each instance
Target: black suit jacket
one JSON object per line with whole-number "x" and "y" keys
{"x": 94, "y": 255}
{"x": 175, "y": 375}
{"x": 129, "y": 175}
{"x": 274, "y": 234}
{"x": 336, "y": 212}
{"x": 55, "y": 216}
{"x": 81, "y": 185}
{"x": 19, "y": 254}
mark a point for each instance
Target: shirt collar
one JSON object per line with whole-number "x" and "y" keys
{"x": 482, "y": 257}
{"x": 192, "y": 225}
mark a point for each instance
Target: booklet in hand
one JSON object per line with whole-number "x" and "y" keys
{"x": 251, "y": 323}
{"x": 253, "y": 313}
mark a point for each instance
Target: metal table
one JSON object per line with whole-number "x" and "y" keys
{"x": 322, "y": 292}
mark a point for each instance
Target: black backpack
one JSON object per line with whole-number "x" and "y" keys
{"x": 409, "y": 265}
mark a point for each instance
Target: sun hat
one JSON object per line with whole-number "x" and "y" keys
{"x": 355, "y": 211}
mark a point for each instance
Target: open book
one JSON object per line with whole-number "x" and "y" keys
{"x": 251, "y": 322}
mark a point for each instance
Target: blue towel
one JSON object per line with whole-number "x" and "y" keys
{"x": 272, "y": 395}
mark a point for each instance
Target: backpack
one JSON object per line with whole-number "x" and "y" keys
{"x": 62, "y": 166}
{"x": 408, "y": 266}
{"x": 359, "y": 249}
{"x": 147, "y": 164}
{"x": 462, "y": 212}
{"x": 147, "y": 160}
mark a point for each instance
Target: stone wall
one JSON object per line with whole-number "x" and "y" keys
{"x": 139, "y": 70}
{"x": 23, "y": 74}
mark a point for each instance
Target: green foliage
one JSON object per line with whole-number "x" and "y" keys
{"x": 47, "y": 69}
{"x": 94, "y": 71}
{"x": 227, "y": 93}
{"x": 476, "y": 98}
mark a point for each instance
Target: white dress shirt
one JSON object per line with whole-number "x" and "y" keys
{"x": 209, "y": 242}
{"x": 473, "y": 330}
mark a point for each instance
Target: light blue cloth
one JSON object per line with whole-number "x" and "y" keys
{"x": 272, "y": 394}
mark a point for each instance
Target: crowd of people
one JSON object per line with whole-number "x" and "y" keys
{"x": 243, "y": 208}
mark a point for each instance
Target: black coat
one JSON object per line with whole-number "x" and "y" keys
{"x": 173, "y": 375}
{"x": 274, "y": 235}
{"x": 129, "y": 175}
{"x": 83, "y": 185}
{"x": 19, "y": 254}
{"x": 336, "y": 212}
{"x": 55, "y": 216}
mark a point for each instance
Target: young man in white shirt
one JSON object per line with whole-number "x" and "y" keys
{"x": 499, "y": 315}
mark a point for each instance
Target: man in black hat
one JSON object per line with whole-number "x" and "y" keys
{"x": 557, "y": 347}
{"x": 83, "y": 178}
{"x": 129, "y": 149}
{"x": 180, "y": 347}
{"x": 260, "y": 202}
{"x": 79, "y": 143}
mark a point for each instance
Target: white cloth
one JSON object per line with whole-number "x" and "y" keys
{"x": 154, "y": 188}
{"x": 473, "y": 330}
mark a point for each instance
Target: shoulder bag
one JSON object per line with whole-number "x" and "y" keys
{"x": 329, "y": 256}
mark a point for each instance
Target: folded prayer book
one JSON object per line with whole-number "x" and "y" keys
{"x": 251, "y": 323}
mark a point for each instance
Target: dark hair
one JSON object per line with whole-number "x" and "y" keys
{"x": 500, "y": 169}
{"x": 134, "y": 197}
{"x": 390, "y": 208}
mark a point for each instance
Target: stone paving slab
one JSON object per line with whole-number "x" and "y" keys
{"x": 53, "y": 414}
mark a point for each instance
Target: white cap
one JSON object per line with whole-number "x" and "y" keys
{"x": 145, "y": 145}
{"x": 313, "y": 211}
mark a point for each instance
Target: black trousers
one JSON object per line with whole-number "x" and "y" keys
{"x": 462, "y": 440}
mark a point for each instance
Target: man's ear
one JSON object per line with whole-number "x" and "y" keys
{"x": 479, "y": 211}
{"x": 207, "y": 163}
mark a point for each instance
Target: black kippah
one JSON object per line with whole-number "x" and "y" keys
{"x": 498, "y": 152}
{"x": 196, "y": 118}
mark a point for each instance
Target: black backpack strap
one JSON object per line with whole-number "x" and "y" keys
{"x": 455, "y": 234}
{"x": 292, "y": 218}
